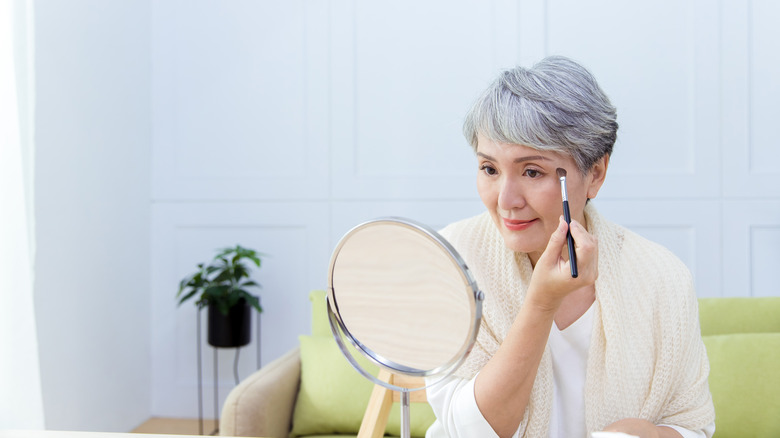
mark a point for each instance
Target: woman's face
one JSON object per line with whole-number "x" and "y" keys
{"x": 521, "y": 190}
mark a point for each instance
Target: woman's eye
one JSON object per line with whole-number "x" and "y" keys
{"x": 489, "y": 170}
{"x": 532, "y": 173}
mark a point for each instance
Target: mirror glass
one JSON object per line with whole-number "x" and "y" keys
{"x": 403, "y": 296}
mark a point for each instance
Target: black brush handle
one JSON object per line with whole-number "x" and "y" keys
{"x": 570, "y": 240}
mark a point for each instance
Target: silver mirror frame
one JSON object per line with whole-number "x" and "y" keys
{"x": 338, "y": 328}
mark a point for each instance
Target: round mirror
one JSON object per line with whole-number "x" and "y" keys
{"x": 403, "y": 297}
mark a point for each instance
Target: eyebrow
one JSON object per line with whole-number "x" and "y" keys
{"x": 517, "y": 160}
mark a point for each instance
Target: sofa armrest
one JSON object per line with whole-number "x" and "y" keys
{"x": 262, "y": 405}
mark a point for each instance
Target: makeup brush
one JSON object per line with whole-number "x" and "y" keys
{"x": 567, "y": 217}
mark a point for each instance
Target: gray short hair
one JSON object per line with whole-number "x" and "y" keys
{"x": 556, "y": 105}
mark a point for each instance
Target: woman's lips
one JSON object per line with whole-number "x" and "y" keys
{"x": 517, "y": 225}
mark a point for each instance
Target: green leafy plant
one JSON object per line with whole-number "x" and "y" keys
{"x": 223, "y": 282}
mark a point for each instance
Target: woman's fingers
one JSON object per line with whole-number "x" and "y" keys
{"x": 552, "y": 280}
{"x": 555, "y": 244}
{"x": 586, "y": 247}
{"x": 583, "y": 241}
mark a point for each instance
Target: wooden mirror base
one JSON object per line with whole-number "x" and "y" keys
{"x": 382, "y": 399}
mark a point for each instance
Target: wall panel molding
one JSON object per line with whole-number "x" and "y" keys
{"x": 751, "y": 247}
{"x": 295, "y": 240}
{"x": 403, "y": 75}
{"x": 690, "y": 229}
{"x": 657, "y": 61}
{"x": 240, "y": 100}
{"x": 435, "y": 214}
{"x": 750, "y": 68}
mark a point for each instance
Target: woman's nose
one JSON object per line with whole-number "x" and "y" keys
{"x": 510, "y": 195}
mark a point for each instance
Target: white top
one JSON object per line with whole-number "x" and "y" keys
{"x": 569, "y": 350}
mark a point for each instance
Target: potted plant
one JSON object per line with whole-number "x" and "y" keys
{"x": 223, "y": 286}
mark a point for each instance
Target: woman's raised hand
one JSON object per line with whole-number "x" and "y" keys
{"x": 551, "y": 281}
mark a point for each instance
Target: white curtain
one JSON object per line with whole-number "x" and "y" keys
{"x": 21, "y": 404}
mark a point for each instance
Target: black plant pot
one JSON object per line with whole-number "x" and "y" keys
{"x": 232, "y": 330}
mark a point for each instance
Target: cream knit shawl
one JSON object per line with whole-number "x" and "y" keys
{"x": 646, "y": 357}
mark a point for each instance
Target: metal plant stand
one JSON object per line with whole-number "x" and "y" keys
{"x": 216, "y": 375}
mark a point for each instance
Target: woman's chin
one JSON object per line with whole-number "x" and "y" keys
{"x": 518, "y": 244}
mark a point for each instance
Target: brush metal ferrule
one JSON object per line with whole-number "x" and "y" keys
{"x": 563, "y": 189}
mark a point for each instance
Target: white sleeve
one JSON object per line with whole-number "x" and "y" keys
{"x": 457, "y": 414}
{"x": 704, "y": 433}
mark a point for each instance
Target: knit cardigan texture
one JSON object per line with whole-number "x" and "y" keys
{"x": 646, "y": 358}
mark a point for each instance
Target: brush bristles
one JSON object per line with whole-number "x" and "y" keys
{"x": 561, "y": 172}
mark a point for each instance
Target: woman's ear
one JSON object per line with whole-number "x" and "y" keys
{"x": 597, "y": 175}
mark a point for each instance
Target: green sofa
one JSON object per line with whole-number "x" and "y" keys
{"x": 742, "y": 336}
{"x": 313, "y": 391}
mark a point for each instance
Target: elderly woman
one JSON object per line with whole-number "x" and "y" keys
{"x": 617, "y": 348}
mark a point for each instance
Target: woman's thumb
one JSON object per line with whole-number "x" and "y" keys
{"x": 556, "y": 242}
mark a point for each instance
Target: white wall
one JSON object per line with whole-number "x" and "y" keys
{"x": 281, "y": 124}
{"x": 92, "y": 164}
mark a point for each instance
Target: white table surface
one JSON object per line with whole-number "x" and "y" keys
{"x": 71, "y": 434}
